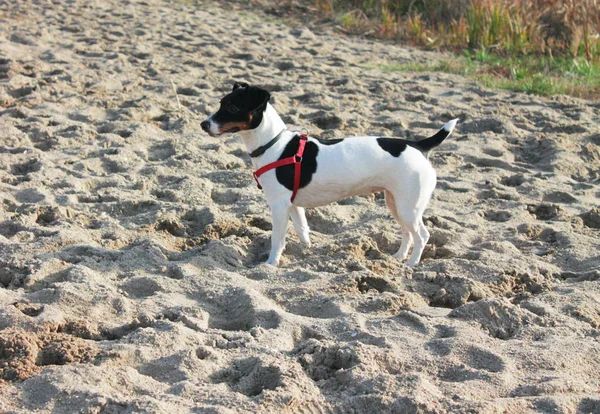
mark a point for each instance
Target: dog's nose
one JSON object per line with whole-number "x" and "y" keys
{"x": 205, "y": 125}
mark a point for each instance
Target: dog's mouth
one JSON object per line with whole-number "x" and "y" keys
{"x": 224, "y": 131}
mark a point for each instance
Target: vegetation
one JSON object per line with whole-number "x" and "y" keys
{"x": 536, "y": 46}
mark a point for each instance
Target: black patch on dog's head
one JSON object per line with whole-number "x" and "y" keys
{"x": 242, "y": 108}
{"x": 391, "y": 145}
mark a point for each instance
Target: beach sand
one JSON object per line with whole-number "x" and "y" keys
{"x": 131, "y": 242}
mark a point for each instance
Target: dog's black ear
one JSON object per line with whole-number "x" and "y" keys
{"x": 260, "y": 96}
{"x": 240, "y": 85}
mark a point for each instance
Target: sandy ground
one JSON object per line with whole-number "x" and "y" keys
{"x": 131, "y": 242}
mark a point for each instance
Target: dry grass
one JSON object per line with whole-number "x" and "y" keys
{"x": 509, "y": 27}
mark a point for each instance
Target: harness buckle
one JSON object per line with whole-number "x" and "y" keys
{"x": 297, "y": 158}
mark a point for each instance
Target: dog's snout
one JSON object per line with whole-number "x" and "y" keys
{"x": 205, "y": 125}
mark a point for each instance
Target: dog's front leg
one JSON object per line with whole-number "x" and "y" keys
{"x": 299, "y": 219}
{"x": 280, "y": 216}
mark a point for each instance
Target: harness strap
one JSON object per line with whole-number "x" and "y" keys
{"x": 295, "y": 159}
{"x": 298, "y": 165}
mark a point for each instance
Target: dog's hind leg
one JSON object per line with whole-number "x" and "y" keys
{"x": 407, "y": 238}
{"x": 423, "y": 230}
{"x": 421, "y": 236}
{"x": 407, "y": 241}
{"x": 280, "y": 216}
{"x": 410, "y": 211}
{"x": 411, "y": 223}
{"x": 299, "y": 219}
{"x": 390, "y": 202}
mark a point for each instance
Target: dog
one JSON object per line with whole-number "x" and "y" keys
{"x": 296, "y": 171}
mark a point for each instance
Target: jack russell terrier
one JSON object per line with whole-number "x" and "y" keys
{"x": 296, "y": 171}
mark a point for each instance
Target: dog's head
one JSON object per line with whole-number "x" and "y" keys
{"x": 242, "y": 109}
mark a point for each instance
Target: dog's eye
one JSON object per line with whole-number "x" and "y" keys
{"x": 232, "y": 109}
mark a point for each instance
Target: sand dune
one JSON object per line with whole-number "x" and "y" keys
{"x": 131, "y": 243}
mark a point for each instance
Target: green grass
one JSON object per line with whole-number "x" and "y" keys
{"x": 535, "y": 75}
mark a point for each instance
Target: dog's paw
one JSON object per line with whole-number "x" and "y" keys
{"x": 412, "y": 263}
{"x": 304, "y": 238}
{"x": 401, "y": 257}
{"x": 272, "y": 262}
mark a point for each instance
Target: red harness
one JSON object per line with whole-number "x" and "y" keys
{"x": 296, "y": 160}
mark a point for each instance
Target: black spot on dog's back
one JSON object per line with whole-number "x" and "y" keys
{"x": 392, "y": 145}
{"x": 329, "y": 141}
{"x": 285, "y": 174}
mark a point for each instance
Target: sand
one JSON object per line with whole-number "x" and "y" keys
{"x": 131, "y": 242}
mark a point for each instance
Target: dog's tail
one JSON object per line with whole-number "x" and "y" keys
{"x": 432, "y": 142}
